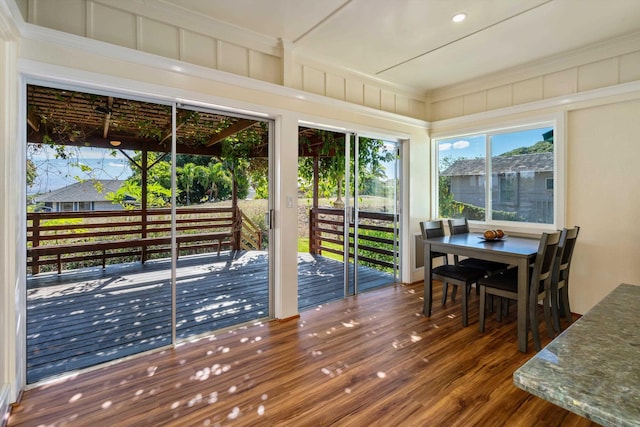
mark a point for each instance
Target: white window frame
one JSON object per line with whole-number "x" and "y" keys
{"x": 555, "y": 120}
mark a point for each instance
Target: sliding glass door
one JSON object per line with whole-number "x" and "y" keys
{"x": 145, "y": 225}
{"x": 349, "y": 194}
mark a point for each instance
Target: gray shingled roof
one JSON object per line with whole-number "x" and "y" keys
{"x": 538, "y": 162}
{"x": 86, "y": 191}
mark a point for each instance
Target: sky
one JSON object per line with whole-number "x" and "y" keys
{"x": 474, "y": 146}
{"x": 54, "y": 173}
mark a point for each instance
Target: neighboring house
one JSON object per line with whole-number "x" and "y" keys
{"x": 88, "y": 195}
{"x": 522, "y": 184}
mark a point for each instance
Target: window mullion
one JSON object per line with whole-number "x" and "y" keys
{"x": 488, "y": 180}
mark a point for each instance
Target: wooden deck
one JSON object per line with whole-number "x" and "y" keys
{"x": 81, "y": 318}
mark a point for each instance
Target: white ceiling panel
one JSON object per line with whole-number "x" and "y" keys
{"x": 374, "y": 35}
{"x": 287, "y": 19}
{"x": 415, "y": 43}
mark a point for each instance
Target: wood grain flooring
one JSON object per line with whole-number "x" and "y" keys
{"x": 369, "y": 360}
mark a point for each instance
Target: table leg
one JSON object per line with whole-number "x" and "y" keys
{"x": 523, "y": 298}
{"x": 428, "y": 291}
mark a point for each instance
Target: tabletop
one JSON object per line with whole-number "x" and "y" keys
{"x": 593, "y": 367}
{"x": 509, "y": 245}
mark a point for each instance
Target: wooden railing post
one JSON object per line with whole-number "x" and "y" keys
{"x": 237, "y": 229}
{"x": 35, "y": 239}
{"x": 313, "y": 243}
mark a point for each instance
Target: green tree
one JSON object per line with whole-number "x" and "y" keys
{"x": 216, "y": 179}
{"x": 158, "y": 183}
{"x": 32, "y": 172}
{"x": 538, "y": 147}
{"x": 331, "y": 165}
{"x": 447, "y": 204}
{"x": 186, "y": 177}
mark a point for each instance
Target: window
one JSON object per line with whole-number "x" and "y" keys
{"x": 66, "y": 206}
{"x": 508, "y": 187}
{"x": 85, "y": 206}
{"x": 550, "y": 184}
{"x": 502, "y": 175}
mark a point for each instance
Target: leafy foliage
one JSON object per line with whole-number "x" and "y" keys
{"x": 538, "y": 147}
{"x": 32, "y": 172}
{"x": 331, "y": 165}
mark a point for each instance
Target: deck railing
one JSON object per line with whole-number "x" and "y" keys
{"x": 377, "y": 236}
{"x": 89, "y": 238}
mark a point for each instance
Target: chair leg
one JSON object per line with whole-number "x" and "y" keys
{"x": 564, "y": 296}
{"x": 533, "y": 323}
{"x": 491, "y": 305}
{"x": 507, "y": 302}
{"x": 555, "y": 309}
{"x": 483, "y": 296}
{"x": 445, "y": 291}
{"x": 454, "y": 291}
{"x": 546, "y": 305}
{"x": 465, "y": 320}
{"x": 499, "y": 310}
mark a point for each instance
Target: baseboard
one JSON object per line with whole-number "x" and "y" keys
{"x": 286, "y": 319}
{"x": 4, "y": 404}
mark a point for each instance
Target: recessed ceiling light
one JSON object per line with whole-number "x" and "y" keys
{"x": 459, "y": 17}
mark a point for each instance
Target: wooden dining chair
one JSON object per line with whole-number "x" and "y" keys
{"x": 560, "y": 277}
{"x": 431, "y": 228}
{"x": 456, "y": 275}
{"x": 505, "y": 285}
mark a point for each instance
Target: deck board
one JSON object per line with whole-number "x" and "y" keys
{"x": 81, "y": 318}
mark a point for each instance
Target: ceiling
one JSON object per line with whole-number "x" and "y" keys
{"x": 414, "y": 43}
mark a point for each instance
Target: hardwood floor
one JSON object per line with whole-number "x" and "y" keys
{"x": 367, "y": 360}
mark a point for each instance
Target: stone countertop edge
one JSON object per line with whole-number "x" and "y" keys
{"x": 603, "y": 383}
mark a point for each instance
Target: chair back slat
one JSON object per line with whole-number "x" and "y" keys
{"x": 544, "y": 263}
{"x": 458, "y": 226}
{"x": 565, "y": 250}
{"x": 431, "y": 229}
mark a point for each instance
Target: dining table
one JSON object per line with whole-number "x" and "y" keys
{"x": 516, "y": 251}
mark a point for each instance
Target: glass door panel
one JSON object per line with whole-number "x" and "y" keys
{"x": 98, "y": 276}
{"x": 374, "y": 221}
{"x": 321, "y": 208}
{"x": 348, "y": 207}
{"x": 222, "y": 230}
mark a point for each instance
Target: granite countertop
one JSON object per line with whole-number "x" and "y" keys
{"x": 593, "y": 367}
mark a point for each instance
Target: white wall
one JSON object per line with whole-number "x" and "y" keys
{"x": 604, "y": 199}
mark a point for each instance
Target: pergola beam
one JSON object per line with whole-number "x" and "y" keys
{"x": 238, "y": 126}
{"x": 107, "y": 117}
